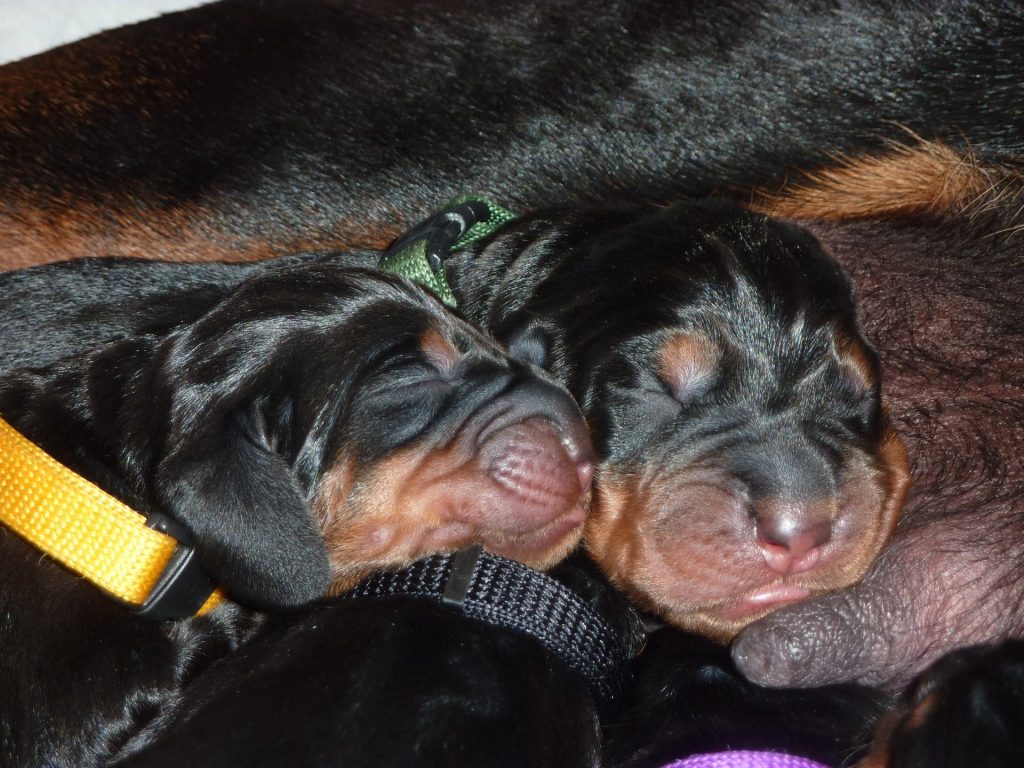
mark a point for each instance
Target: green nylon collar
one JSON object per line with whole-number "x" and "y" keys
{"x": 409, "y": 257}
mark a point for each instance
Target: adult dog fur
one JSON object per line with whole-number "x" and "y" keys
{"x": 243, "y": 130}
{"x": 311, "y": 426}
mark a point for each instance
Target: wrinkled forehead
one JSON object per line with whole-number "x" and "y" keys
{"x": 687, "y": 359}
{"x": 688, "y": 261}
{"x": 742, "y": 294}
{"x": 749, "y": 265}
{"x": 393, "y": 308}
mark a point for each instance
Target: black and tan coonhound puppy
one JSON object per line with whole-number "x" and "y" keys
{"x": 311, "y": 426}
{"x": 743, "y": 457}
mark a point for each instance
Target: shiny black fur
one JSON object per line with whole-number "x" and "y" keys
{"x": 600, "y": 288}
{"x": 686, "y": 697}
{"x": 621, "y": 250}
{"x": 454, "y": 692}
{"x": 965, "y": 710}
{"x": 359, "y": 116}
{"x": 390, "y": 682}
{"x": 54, "y": 311}
{"x": 225, "y": 423}
{"x": 833, "y": 78}
{"x": 408, "y": 682}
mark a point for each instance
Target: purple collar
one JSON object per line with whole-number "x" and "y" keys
{"x": 744, "y": 759}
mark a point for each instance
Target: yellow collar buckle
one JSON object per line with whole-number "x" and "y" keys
{"x": 149, "y": 564}
{"x": 184, "y": 588}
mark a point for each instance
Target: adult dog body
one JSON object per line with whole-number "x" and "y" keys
{"x": 244, "y": 130}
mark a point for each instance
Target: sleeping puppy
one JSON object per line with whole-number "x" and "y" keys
{"x": 311, "y": 426}
{"x": 744, "y": 458}
{"x": 694, "y": 324}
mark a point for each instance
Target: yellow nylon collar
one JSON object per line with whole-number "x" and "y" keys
{"x": 82, "y": 526}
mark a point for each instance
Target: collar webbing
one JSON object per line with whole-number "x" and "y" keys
{"x": 504, "y": 593}
{"x": 742, "y": 758}
{"x": 419, "y": 254}
{"x": 82, "y": 526}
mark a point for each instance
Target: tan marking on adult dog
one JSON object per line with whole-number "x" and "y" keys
{"x": 923, "y": 178}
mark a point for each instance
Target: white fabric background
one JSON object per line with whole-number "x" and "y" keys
{"x": 31, "y": 26}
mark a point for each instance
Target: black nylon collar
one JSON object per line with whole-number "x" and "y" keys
{"x": 507, "y": 594}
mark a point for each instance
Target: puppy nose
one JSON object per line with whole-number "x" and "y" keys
{"x": 792, "y": 533}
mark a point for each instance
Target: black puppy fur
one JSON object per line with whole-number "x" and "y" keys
{"x": 411, "y": 682}
{"x": 965, "y": 710}
{"x": 939, "y": 294}
{"x": 55, "y": 311}
{"x": 603, "y": 247}
{"x": 733, "y": 402}
{"x": 686, "y": 697}
{"x": 832, "y": 79}
{"x": 230, "y": 424}
{"x": 602, "y": 297}
{"x": 185, "y": 137}
{"x": 189, "y": 137}
{"x": 395, "y": 681}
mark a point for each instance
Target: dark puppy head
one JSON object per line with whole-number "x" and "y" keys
{"x": 325, "y": 415}
{"x": 745, "y": 460}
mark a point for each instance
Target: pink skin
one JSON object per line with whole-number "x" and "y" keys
{"x": 516, "y": 480}
{"x": 538, "y": 468}
{"x": 699, "y": 557}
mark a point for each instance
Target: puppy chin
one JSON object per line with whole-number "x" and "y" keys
{"x": 724, "y": 621}
{"x": 545, "y": 547}
{"x": 689, "y": 550}
{"x": 539, "y": 549}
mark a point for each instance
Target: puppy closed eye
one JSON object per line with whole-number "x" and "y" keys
{"x": 428, "y": 364}
{"x": 688, "y": 364}
{"x": 409, "y": 385}
{"x": 438, "y": 351}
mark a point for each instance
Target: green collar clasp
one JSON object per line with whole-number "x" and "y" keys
{"x": 419, "y": 254}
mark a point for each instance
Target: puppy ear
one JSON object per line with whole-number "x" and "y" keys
{"x": 530, "y": 343}
{"x": 530, "y": 339}
{"x": 243, "y": 504}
